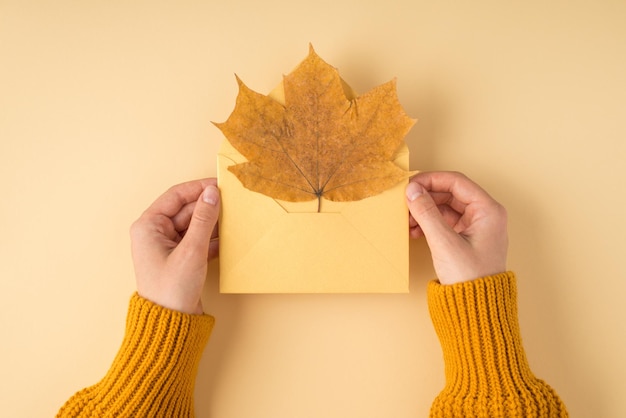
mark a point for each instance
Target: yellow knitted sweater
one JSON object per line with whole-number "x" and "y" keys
{"x": 154, "y": 372}
{"x": 487, "y": 374}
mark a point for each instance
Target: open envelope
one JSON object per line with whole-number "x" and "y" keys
{"x": 273, "y": 246}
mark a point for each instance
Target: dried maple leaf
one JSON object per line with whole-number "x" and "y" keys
{"x": 319, "y": 144}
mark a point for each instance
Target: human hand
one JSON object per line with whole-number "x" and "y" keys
{"x": 171, "y": 245}
{"x": 465, "y": 228}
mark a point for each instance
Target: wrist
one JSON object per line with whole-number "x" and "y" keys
{"x": 471, "y": 277}
{"x": 172, "y": 302}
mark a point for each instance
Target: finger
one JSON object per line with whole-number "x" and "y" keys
{"x": 448, "y": 199}
{"x": 426, "y": 213}
{"x": 415, "y": 232}
{"x": 214, "y": 245}
{"x": 203, "y": 220}
{"x": 414, "y": 229}
{"x": 450, "y": 216}
{"x": 153, "y": 226}
{"x": 172, "y": 201}
{"x": 214, "y": 249}
{"x": 216, "y": 233}
{"x": 412, "y": 221}
{"x": 463, "y": 191}
{"x": 183, "y": 217}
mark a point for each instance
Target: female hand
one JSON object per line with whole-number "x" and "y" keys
{"x": 465, "y": 227}
{"x": 171, "y": 245}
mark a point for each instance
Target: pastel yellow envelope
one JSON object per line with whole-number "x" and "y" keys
{"x": 272, "y": 246}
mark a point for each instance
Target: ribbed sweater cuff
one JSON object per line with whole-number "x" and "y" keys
{"x": 487, "y": 373}
{"x": 154, "y": 371}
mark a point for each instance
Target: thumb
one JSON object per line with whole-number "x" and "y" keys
{"x": 426, "y": 213}
{"x": 203, "y": 220}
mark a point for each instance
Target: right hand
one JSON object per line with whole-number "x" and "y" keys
{"x": 465, "y": 228}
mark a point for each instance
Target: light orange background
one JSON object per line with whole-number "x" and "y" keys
{"x": 103, "y": 105}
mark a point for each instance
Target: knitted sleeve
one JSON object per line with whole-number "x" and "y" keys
{"x": 487, "y": 373}
{"x": 154, "y": 372}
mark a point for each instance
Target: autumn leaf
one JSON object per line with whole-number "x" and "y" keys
{"x": 319, "y": 143}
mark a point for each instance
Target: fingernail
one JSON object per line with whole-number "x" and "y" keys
{"x": 211, "y": 195}
{"x": 413, "y": 191}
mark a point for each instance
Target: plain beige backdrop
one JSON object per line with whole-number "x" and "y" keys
{"x": 105, "y": 104}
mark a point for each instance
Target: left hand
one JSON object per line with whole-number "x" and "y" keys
{"x": 171, "y": 245}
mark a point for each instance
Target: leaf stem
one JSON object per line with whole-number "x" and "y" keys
{"x": 319, "y": 194}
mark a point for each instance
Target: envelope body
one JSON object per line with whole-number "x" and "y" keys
{"x": 273, "y": 246}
